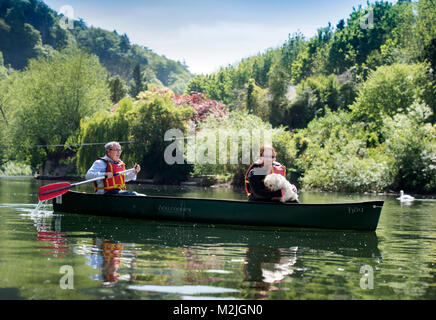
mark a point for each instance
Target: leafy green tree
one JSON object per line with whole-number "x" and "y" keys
{"x": 221, "y": 85}
{"x": 426, "y": 31}
{"x": 101, "y": 127}
{"x": 144, "y": 123}
{"x": 332, "y": 155}
{"x": 153, "y": 115}
{"x": 311, "y": 56}
{"x": 25, "y": 27}
{"x": 124, "y": 43}
{"x": 48, "y": 100}
{"x": 366, "y": 30}
{"x": 138, "y": 83}
{"x": 254, "y": 99}
{"x": 199, "y": 83}
{"x": 391, "y": 90}
{"x": 291, "y": 48}
{"x": 411, "y": 144}
{"x": 277, "y": 84}
{"x": 314, "y": 96}
{"x": 118, "y": 88}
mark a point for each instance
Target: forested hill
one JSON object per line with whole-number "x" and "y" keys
{"x": 29, "y": 28}
{"x": 329, "y": 68}
{"x": 359, "y": 98}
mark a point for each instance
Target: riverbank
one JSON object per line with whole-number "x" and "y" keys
{"x": 199, "y": 182}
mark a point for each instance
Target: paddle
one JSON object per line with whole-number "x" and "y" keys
{"x": 54, "y": 190}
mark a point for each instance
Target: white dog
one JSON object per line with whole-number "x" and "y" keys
{"x": 276, "y": 182}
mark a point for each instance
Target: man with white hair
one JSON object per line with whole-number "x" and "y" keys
{"x": 108, "y": 166}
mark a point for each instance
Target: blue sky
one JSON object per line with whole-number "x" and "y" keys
{"x": 209, "y": 34}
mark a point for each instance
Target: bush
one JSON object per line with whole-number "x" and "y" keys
{"x": 333, "y": 156}
{"x": 391, "y": 90}
{"x": 47, "y": 101}
{"x": 15, "y": 168}
{"x": 412, "y": 146}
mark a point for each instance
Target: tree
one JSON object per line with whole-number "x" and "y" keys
{"x": 203, "y": 107}
{"x": 254, "y": 100}
{"x": 333, "y": 156}
{"x": 199, "y": 83}
{"x": 340, "y": 25}
{"x": 143, "y": 121}
{"x": 48, "y": 101}
{"x": 352, "y": 44}
{"x": 124, "y": 43}
{"x": 391, "y": 90}
{"x": 277, "y": 83}
{"x": 411, "y": 144}
{"x": 238, "y": 127}
{"x": 426, "y": 31}
{"x": 138, "y": 84}
{"x": 117, "y": 88}
{"x": 153, "y": 115}
{"x": 25, "y": 27}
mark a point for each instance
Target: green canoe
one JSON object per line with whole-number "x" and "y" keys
{"x": 355, "y": 215}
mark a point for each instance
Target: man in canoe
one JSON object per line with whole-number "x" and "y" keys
{"x": 108, "y": 166}
{"x": 255, "y": 176}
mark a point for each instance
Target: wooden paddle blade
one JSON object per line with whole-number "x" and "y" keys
{"x": 51, "y": 191}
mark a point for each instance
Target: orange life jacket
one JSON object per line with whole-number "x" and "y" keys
{"x": 275, "y": 168}
{"x": 116, "y": 182}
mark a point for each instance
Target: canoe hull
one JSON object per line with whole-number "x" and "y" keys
{"x": 356, "y": 216}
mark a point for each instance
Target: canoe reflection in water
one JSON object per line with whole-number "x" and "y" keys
{"x": 170, "y": 252}
{"x": 55, "y": 242}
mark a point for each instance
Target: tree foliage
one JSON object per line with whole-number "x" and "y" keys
{"x": 25, "y": 28}
{"x": 143, "y": 122}
{"x": 238, "y": 127}
{"x": 48, "y": 100}
{"x": 203, "y": 107}
{"x": 391, "y": 90}
{"x": 29, "y": 29}
{"x": 118, "y": 88}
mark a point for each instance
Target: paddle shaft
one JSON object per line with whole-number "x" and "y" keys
{"x": 83, "y": 182}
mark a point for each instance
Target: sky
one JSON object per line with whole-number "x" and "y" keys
{"x": 208, "y": 34}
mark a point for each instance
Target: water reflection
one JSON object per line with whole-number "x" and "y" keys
{"x": 108, "y": 258}
{"x": 266, "y": 266}
{"x": 163, "y": 260}
{"x": 58, "y": 243}
{"x": 152, "y": 255}
{"x": 54, "y": 242}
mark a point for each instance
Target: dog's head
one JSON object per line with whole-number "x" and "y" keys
{"x": 272, "y": 182}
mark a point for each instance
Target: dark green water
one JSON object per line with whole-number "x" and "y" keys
{"x": 114, "y": 258}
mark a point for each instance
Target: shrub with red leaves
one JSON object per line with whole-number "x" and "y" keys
{"x": 203, "y": 106}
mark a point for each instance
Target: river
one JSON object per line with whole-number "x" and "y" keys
{"x": 44, "y": 255}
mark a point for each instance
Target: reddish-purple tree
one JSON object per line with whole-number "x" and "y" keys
{"x": 203, "y": 106}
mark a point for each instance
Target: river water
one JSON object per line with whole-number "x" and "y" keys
{"x": 65, "y": 256}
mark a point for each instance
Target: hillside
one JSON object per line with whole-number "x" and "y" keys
{"x": 343, "y": 54}
{"x": 29, "y": 28}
